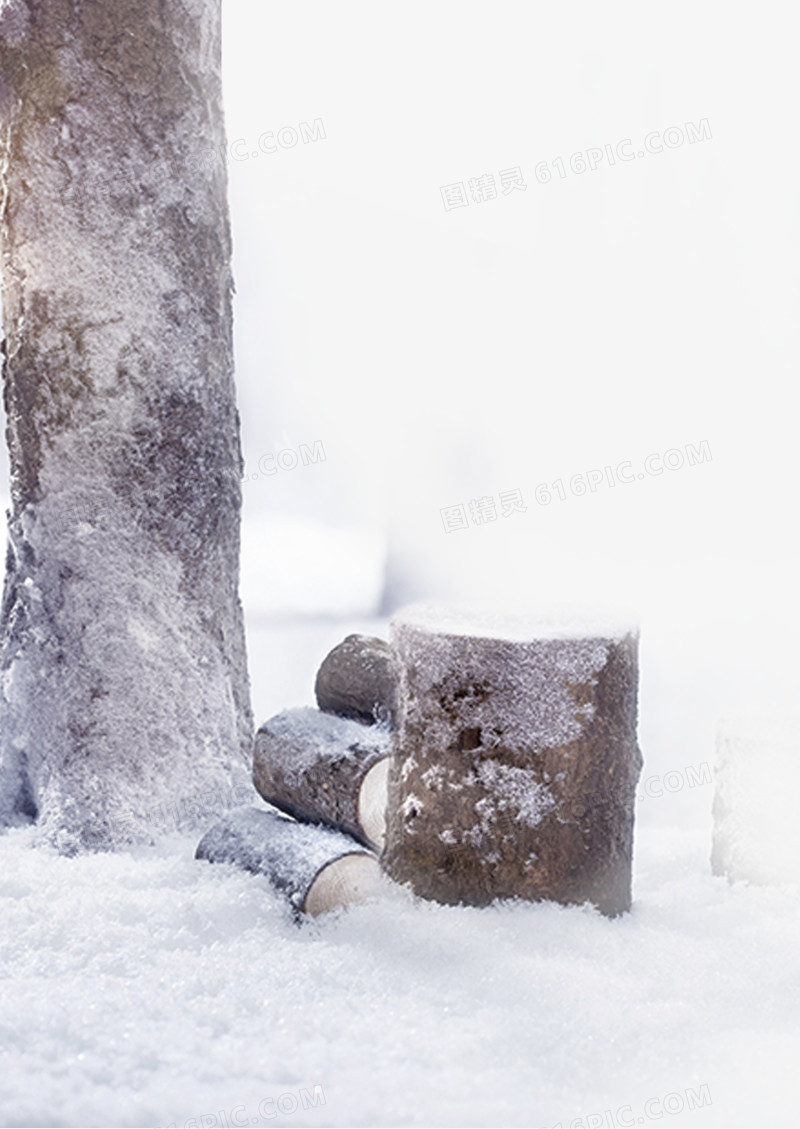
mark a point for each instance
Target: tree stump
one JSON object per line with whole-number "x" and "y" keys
{"x": 315, "y": 868}
{"x": 516, "y": 759}
{"x": 325, "y": 769}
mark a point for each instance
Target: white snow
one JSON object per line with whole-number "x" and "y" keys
{"x": 145, "y": 988}
{"x": 564, "y": 621}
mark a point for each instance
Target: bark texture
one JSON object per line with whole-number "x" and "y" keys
{"x": 313, "y": 765}
{"x": 124, "y": 671}
{"x": 516, "y": 768}
{"x": 293, "y": 856}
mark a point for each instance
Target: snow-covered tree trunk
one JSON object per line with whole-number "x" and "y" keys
{"x": 124, "y": 680}
{"x": 517, "y": 760}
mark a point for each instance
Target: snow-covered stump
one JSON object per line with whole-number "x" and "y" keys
{"x": 325, "y": 769}
{"x": 124, "y": 681}
{"x": 516, "y": 759}
{"x": 757, "y": 777}
{"x": 316, "y": 868}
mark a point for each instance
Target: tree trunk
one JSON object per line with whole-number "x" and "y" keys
{"x": 516, "y": 762}
{"x": 124, "y": 671}
{"x": 325, "y": 769}
{"x": 315, "y": 868}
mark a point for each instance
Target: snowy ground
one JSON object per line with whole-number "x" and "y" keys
{"x": 150, "y": 989}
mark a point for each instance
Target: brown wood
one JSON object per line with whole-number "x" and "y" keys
{"x": 516, "y": 763}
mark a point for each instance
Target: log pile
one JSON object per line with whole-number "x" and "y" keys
{"x": 326, "y": 772}
{"x": 481, "y": 759}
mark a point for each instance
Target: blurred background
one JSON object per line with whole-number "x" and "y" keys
{"x": 449, "y": 339}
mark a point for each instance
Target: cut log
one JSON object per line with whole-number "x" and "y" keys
{"x": 516, "y": 759}
{"x": 358, "y": 680}
{"x": 325, "y": 769}
{"x": 315, "y": 868}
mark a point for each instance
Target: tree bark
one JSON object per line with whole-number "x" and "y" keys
{"x": 516, "y": 763}
{"x": 124, "y": 670}
{"x": 316, "y": 868}
{"x": 325, "y": 769}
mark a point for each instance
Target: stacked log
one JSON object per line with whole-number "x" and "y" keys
{"x": 315, "y": 868}
{"x": 358, "y": 680}
{"x": 325, "y": 769}
{"x": 507, "y": 750}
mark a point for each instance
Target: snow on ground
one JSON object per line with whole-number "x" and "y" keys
{"x": 146, "y": 988}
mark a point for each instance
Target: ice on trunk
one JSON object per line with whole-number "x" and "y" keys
{"x": 757, "y": 776}
{"x": 516, "y": 756}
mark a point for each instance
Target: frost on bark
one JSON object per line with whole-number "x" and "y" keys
{"x": 124, "y": 681}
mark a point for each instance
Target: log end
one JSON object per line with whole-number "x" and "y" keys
{"x": 372, "y": 803}
{"x": 346, "y": 881}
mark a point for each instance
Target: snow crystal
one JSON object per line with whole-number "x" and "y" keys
{"x": 516, "y": 790}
